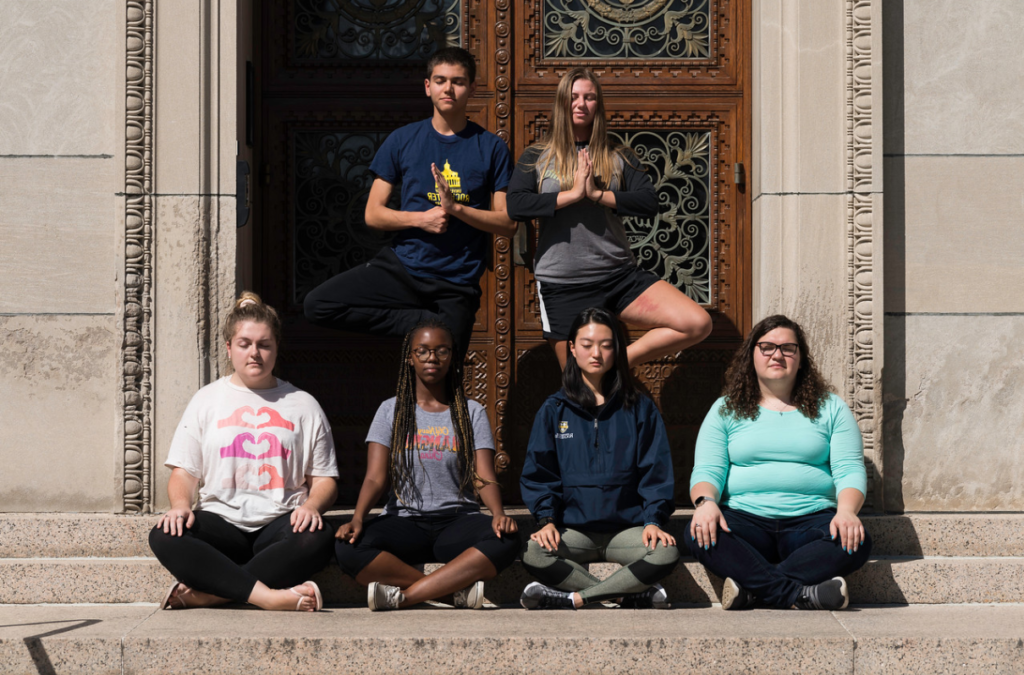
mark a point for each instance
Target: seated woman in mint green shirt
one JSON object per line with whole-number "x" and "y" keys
{"x": 778, "y": 480}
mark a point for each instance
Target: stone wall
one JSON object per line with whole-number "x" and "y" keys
{"x": 954, "y": 248}
{"x": 61, "y": 140}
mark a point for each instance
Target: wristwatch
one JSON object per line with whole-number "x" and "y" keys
{"x": 700, "y": 500}
{"x": 544, "y": 521}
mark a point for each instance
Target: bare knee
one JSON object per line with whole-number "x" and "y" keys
{"x": 697, "y": 324}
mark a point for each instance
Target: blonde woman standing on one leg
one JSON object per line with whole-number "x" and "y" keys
{"x": 579, "y": 185}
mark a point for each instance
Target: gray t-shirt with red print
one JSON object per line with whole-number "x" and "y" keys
{"x": 252, "y": 449}
{"x": 436, "y": 475}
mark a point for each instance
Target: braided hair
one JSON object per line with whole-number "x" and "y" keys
{"x": 403, "y": 429}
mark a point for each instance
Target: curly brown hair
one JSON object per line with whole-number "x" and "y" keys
{"x": 742, "y": 393}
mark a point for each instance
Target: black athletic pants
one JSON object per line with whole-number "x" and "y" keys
{"x": 214, "y": 556}
{"x": 430, "y": 538}
{"x": 382, "y": 298}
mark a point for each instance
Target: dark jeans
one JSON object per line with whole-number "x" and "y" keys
{"x": 216, "y": 557}
{"x": 423, "y": 539}
{"x": 775, "y": 558}
{"x": 382, "y": 298}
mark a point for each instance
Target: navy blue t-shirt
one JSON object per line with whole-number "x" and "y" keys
{"x": 475, "y": 163}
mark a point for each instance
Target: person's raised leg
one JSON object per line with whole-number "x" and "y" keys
{"x": 561, "y": 348}
{"x": 456, "y": 305}
{"x": 641, "y": 568}
{"x": 207, "y": 560}
{"x": 674, "y": 321}
{"x": 378, "y": 297}
{"x": 746, "y": 556}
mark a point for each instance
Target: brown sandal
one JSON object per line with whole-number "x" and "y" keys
{"x": 170, "y": 597}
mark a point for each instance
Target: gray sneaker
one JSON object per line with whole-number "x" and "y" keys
{"x": 471, "y": 597}
{"x": 538, "y": 596}
{"x": 831, "y": 594}
{"x": 654, "y": 597}
{"x": 380, "y": 597}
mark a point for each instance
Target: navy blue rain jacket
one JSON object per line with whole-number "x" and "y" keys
{"x": 601, "y": 474}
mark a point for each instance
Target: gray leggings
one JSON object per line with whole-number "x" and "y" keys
{"x": 563, "y": 567}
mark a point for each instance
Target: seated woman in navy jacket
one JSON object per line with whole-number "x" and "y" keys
{"x": 598, "y": 479}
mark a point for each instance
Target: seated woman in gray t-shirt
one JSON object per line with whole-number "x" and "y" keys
{"x": 577, "y": 183}
{"x": 436, "y": 450}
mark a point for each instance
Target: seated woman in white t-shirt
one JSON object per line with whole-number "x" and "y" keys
{"x": 435, "y": 449}
{"x": 261, "y": 453}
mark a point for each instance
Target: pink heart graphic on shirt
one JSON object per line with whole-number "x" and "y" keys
{"x": 251, "y": 419}
{"x": 255, "y": 421}
{"x": 240, "y": 480}
{"x": 253, "y": 451}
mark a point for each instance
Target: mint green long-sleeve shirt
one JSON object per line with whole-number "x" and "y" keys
{"x": 781, "y": 465}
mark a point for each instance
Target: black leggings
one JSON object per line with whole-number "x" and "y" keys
{"x": 382, "y": 298}
{"x": 437, "y": 538}
{"x": 216, "y": 557}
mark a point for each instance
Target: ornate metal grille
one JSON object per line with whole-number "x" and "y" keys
{"x": 332, "y": 180}
{"x": 392, "y": 30}
{"x": 626, "y": 29}
{"x": 676, "y": 244}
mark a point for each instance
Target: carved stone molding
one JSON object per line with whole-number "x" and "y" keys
{"x": 860, "y": 222}
{"x": 137, "y": 344}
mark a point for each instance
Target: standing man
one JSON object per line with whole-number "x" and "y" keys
{"x": 453, "y": 176}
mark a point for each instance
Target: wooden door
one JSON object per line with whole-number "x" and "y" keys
{"x": 336, "y": 76}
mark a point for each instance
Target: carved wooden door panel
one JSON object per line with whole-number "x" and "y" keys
{"x": 674, "y": 73}
{"x": 336, "y": 76}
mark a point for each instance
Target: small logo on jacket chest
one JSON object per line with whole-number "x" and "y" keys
{"x": 563, "y": 427}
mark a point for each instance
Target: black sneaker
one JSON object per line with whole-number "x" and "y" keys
{"x": 735, "y": 596}
{"x": 654, "y": 597}
{"x": 829, "y": 594}
{"x": 538, "y": 596}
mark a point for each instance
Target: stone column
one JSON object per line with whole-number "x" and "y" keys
{"x": 816, "y": 187}
{"x": 180, "y": 236}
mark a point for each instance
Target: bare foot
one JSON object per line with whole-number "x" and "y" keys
{"x": 300, "y": 598}
{"x": 303, "y": 598}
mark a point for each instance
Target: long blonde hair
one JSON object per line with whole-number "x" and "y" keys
{"x": 557, "y": 156}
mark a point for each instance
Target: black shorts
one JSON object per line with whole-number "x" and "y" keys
{"x": 424, "y": 539}
{"x": 560, "y": 304}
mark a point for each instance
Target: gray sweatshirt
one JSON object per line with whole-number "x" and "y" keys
{"x": 584, "y": 242}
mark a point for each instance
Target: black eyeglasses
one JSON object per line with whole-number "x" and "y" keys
{"x": 768, "y": 348}
{"x": 442, "y": 353}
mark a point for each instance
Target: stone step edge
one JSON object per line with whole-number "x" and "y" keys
{"x": 119, "y": 535}
{"x": 900, "y": 581}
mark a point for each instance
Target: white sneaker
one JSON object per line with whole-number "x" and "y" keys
{"x": 471, "y": 597}
{"x": 380, "y": 597}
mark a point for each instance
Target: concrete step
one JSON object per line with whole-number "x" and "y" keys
{"x": 884, "y": 580}
{"x": 118, "y": 536}
{"x": 136, "y": 640}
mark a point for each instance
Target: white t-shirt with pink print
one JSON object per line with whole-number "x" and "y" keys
{"x": 251, "y": 450}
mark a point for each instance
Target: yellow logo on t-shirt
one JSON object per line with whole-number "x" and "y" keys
{"x": 454, "y": 184}
{"x": 563, "y": 426}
